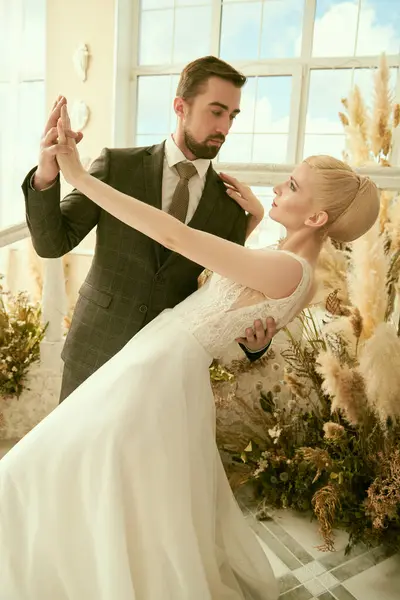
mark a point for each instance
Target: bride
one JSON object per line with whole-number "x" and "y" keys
{"x": 120, "y": 492}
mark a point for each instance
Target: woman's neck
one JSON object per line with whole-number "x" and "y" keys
{"x": 305, "y": 245}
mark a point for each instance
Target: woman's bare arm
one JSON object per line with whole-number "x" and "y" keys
{"x": 275, "y": 274}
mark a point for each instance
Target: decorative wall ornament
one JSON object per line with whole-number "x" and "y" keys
{"x": 81, "y": 61}
{"x": 79, "y": 114}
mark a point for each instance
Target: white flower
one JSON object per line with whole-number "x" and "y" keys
{"x": 275, "y": 432}
{"x": 262, "y": 465}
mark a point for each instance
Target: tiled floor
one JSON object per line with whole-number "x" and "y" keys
{"x": 290, "y": 541}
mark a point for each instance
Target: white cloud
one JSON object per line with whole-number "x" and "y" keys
{"x": 335, "y": 32}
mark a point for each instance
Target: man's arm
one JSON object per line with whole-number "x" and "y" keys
{"x": 57, "y": 227}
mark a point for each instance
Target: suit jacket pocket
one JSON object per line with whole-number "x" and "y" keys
{"x": 99, "y": 297}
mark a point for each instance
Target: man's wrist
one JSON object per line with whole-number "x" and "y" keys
{"x": 257, "y": 351}
{"x": 38, "y": 184}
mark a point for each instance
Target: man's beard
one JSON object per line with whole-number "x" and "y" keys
{"x": 202, "y": 149}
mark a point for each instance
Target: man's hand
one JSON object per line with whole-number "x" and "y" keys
{"x": 48, "y": 168}
{"x": 258, "y": 338}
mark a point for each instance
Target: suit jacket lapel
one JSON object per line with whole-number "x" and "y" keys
{"x": 211, "y": 194}
{"x": 153, "y": 172}
{"x": 153, "y": 164}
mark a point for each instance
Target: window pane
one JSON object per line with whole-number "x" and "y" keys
{"x": 268, "y": 232}
{"x": 273, "y": 104}
{"x": 364, "y": 78}
{"x": 22, "y": 102}
{"x": 244, "y": 122}
{"x": 237, "y": 148}
{"x": 334, "y": 145}
{"x": 8, "y": 27}
{"x": 240, "y": 30}
{"x": 323, "y": 105}
{"x": 155, "y": 114}
{"x": 33, "y": 51}
{"x": 379, "y": 27}
{"x": 191, "y": 42}
{"x": 282, "y": 24}
{"x": 150, "y": 140}
{"x": 192, "y": 2}
{"x": 265, "y": 110}
{"x": 156, "y": 30}
{"x": 6, "y": 150}
{"x": 155, "y": 95}
{"x": 5, "y": 108}
{"x": 259, "y": 148}
{"x": 265, "y": 105}
{"x": 326, "y": 90}
{"x": 27, "y": 111}
{"x": 269, "y": 148}
{"x": 152, "y": 4}
{"x": 335, "y": 28}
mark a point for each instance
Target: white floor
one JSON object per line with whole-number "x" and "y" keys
{"x": 290, "y": 541}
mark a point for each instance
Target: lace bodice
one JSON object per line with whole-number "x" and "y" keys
{"x": 221, "y": 310}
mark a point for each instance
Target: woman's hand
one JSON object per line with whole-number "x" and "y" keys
{"x": 69, "y": 162}
{"x": 243, "y": 195}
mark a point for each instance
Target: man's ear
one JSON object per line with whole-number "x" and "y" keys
{"x": 179, "y": 107}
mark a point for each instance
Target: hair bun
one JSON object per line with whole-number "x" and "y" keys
{"x": 360, "y": 215}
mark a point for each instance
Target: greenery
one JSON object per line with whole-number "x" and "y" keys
{"x": 21, "y": 332}
{"x": 314, "y": 459}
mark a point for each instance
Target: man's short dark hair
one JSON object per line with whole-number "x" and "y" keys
{"x": 197, "y": 73}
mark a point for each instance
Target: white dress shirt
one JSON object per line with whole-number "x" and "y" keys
{"x": 172, "y": 156}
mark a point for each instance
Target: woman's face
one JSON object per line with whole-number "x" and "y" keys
{"x": 293, "y": 205}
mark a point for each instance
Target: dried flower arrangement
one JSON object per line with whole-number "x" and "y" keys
{"x": 21, "y": 332}
{"x": 334, "y": 448}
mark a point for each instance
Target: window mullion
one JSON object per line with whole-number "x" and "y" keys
{"x": 216, "y": 16}
{"x": 306, "y": 56}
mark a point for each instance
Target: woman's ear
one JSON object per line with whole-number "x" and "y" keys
{"x": 318, "y": 220}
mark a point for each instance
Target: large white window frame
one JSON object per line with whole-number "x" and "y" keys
{"x": 128, "y": 71}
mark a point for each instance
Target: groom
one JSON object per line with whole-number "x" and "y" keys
{"x": 132, "y": 278}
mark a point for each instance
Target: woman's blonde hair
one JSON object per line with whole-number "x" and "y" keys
{"x": 350, "y": 200}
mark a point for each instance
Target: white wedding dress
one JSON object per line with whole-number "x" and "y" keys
{"x": 120, "y": 493}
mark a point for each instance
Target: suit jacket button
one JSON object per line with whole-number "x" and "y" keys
{"x": 143, "y": 308}
{"x": 159, "y": 278}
